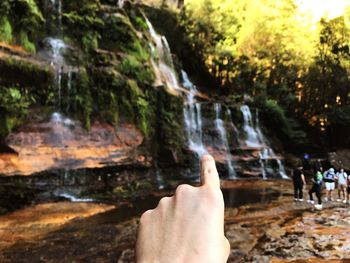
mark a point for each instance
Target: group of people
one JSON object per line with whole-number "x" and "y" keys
{"x": 329, "y": 179}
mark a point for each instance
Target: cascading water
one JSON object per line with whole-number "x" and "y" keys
{"x": 165, "y": 75}
{"x": 162, "y": 61}
{"x": 256, "y": 139}
{"x": 57, "y": 47}
{"x": 120, "y": 3}
{"x": 193, "y": 118}
{"x": 253, "y": 138}
{"x": 69, "y": 89}
{"x": 160, "y": 180}
{"x": 234, "y": 128}
{"x": 57, "y": 4}
{"x": 223, "y": 137}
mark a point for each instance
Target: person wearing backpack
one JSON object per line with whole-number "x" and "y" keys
{"x": 316, "y": 188}
{"x": 342, "y": 178}
{"x": 329, "y": 181}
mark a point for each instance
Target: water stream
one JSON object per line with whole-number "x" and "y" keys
{"x": 57, "y": 61}
{"x": 120, "y": 3}
{"x": 255, "y": 138}
{"x": 222, "y": 131}
{"x": 58, "y": 48}
{"x": 162, "y": 61}
{"x": 193, "y": 118}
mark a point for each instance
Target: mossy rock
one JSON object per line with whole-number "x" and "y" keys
{"x": 118, "y": 33}
{"x": 170, "y": 134}
{"x": 32, "y": 74}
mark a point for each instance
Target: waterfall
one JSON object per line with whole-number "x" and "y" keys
{"x": 160, "y": 180}
{"x": 282, "y": 170}
{"x": 120, "y": 3}
{"x": 164, "y": 68}
{"x": 57, "y": 48}
{"x": 162, "y": 61}
{"x": 222, "y": 131}
{"x": 163, "y": 65}
{"x": 57, "y": 5}
{"x": 252, "y": 136}
{"x": 69, "y": 89}
{"x": 256, "y": 139}
{"x": 59, "y": 9}
{"x": 193, "y": 118}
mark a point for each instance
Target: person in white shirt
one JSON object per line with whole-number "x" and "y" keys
{"x": 341, "y": 178}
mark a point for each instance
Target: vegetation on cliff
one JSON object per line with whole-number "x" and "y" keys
{"x": 272, "y": 51}
{"x": 296, "y": 75}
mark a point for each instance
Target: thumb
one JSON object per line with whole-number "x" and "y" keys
{"x": 209, "y": 174}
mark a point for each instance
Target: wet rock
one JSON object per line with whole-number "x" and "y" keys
{"x": 35, "y": 222}
{"x": 279, "y": 230}
{"x": 59, "y": 144}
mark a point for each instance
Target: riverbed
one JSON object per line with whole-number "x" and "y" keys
{"x": 262, "y": 223}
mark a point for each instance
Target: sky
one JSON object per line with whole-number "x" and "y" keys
{"x": 316, "y": 9}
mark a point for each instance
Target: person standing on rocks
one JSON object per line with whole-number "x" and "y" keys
{"x": 299, "y": 182}
{"x": 318, "y": 166}
{"x": 316, "y": 188}
{"x": 341, "y": 177}
{"x": 329, "y": 180}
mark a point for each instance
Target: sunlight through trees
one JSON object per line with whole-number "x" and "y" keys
{"x": 294, "y": 52}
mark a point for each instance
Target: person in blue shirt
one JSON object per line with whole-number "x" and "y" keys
{"x": 329, "y": 181}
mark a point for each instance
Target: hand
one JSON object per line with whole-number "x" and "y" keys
{"x": 187, "y": 227}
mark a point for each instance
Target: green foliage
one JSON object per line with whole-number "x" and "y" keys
{"x": 13, "y": 107}
{"x": 4, "y": 8}
{"x": 106, "y": 91}
{"x": 118, "y": 34}
{"x": 84, "y": 25}
{"x": 83, "y": 97}
{"x": 339, "y": 116}
{"x": 20, "y": 23}
{"x": 278, "y": 121}
{"x": 169, "y": 122}
{"x": 137, "y": 19}
{"x": 136, "y": 64}
{"x": 25, "y": 42}
{"x": 27, "y": 15}
{"x": 5, "y": 30}
{"x": 135, "y": 103}
{"x": 32, "y": 74}
{"x": 133, "y": 67}
{"x": 90, "y": 41}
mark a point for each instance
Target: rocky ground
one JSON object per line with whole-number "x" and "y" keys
{"x": 264, "y": 226}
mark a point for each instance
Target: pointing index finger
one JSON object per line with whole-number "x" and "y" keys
{"x": 209, "y": 174}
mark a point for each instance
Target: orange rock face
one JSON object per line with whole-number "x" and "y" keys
{"x": 66, "y": 145}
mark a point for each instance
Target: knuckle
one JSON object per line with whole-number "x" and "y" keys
{"x": 164, "y": 201}
{"x": 145, "y": 216}
{"x": 183, "y": 189}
